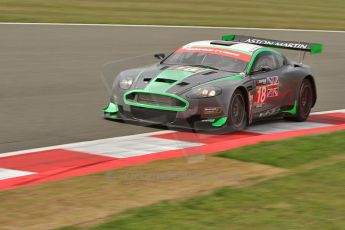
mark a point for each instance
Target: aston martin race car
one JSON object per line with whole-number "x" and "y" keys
{"x": 222, "y": 84}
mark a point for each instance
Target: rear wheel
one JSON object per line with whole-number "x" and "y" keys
{"x": 237, "y": 119}
{"x": 304, "y": 102}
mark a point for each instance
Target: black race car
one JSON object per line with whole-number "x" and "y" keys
{"x": 222, "y": 84}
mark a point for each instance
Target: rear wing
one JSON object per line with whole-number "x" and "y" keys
{"x": 313, "y": 48}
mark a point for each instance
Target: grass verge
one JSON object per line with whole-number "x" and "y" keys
{"x": 172, "y": 194}
{"x": 291, "y": 152}
{"x": 307, "y": 14}
{"x": 304, "y": 199}
{"x": 309, "y": 200}
{"x": 90, "y": 199}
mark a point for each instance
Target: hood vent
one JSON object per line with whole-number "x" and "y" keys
{"x": 183, "y": 83}
{"x": 210, "y": 72}
{"x": 164, "y": 80}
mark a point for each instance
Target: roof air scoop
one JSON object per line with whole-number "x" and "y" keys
{"x": 223, "y": 43}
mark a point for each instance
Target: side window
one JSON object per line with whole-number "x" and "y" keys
{"x": 266, "y": 59}
{"x": 280, "y": 60}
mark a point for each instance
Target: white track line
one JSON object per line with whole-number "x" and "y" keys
{"x": 333, "y": 111}
{"x": 12, "y": 173}
{"x": 167, "y": 26}
{"x": 76, "y": 144}
{"x": 122, "y": 138}
{"x": 133, "y": 147}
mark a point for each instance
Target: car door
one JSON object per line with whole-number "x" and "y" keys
{"x": 266, "y": 73}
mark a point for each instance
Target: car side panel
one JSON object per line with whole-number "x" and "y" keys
{"x": 293, "y": 77}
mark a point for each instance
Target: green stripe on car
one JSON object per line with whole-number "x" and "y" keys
{"x": 169, "y": 74}
{"x": 220, "y": 122}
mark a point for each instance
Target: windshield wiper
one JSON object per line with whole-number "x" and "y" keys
{"x": 205, "y": 66}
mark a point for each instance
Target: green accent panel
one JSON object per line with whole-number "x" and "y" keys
{"x": 111, "y": 108}
{"x": 220, "y": 122}
{"x": 292, "y": 111}
{"x": 228, "y": 37}
{"x": 316, "y": 48}
{"x": 113, "y": 116}
{"x": 156, "y": 106}
{"x": 173, "y": 74}
{"x": 250, "y": 65}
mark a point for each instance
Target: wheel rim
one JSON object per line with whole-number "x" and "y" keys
{"x": 237, "y": 111}
{"x": 306, "y": 100}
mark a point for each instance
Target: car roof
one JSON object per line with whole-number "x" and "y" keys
{"x": 245, "y": 48}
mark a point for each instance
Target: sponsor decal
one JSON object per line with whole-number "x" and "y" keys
{"x": 265, "y": 88}
{"x": 222, "y": 52}
{"x": 292, "y": 45}
{"x": 272, "y": 86}
{"x": 213, "y": 111}
{"x": 269, "y": 112}
{"x": 209, "y": 120}
{"x": 261, "y": 82}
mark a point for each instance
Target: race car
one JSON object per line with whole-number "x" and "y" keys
{"x": 223, "y": 84}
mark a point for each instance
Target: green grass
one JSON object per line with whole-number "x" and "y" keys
{"x": 310, "y": 14}
{"x": 309, "y": 199}
{"x": 292, "y": 152}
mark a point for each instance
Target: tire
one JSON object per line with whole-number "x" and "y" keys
{"x": 237, "y": 117}
{"x": 304, "y": 102}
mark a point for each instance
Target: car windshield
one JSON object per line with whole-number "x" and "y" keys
{"x": 212, "y": 58}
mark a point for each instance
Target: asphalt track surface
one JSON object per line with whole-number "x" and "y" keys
{"x": 54, "y": 79}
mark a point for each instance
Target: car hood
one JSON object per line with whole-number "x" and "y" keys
{"x": 176, "y": 79}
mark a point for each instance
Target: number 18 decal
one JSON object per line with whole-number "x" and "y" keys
{"x": 260, "y": 94}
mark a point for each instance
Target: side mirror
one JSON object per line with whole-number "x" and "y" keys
{"x": 159, "y": 56}
{"x": 265, "y": 68}
{"x": 262, "y": 69}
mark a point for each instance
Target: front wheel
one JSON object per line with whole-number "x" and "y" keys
{"x": 304, "y": 102}
{"x": 237, "y": 119}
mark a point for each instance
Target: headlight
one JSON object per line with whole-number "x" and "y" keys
{"x": 202, "y": 92}
{"x": 125, "y": 83}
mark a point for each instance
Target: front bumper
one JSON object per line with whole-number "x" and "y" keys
{"x": 199, "y": 116}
